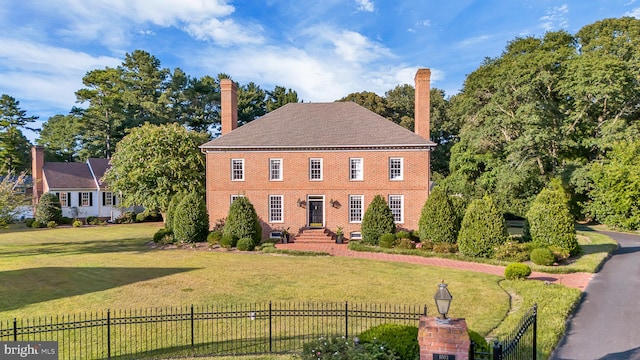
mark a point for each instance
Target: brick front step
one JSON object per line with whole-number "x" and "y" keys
{"x": 314, "y": 236}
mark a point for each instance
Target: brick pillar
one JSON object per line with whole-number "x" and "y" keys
{"x": 228, "y": 105}
{"x": 37, "y": 162}
{"x": 443, "y": 339}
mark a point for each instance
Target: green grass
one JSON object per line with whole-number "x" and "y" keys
{"x": 71, "y": 270}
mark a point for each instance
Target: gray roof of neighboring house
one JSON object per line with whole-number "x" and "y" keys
{"x": 319, "y": 125}
{"x": 99, "y": 167}
{"x": 63, "y": 175}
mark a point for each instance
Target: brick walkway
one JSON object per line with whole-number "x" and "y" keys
{"x": 574, "y": 280}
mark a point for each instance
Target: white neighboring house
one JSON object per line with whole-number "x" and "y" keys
{"x": 77, "y": 185}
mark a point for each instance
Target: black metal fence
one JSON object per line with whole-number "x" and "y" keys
{"x": 238, "y": 329}
{"x": 520, "y": 344}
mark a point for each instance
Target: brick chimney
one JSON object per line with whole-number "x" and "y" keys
{"x": 228, "y": 105}
{"x": 422, "y": 125}
{"x": 37, "y": 162}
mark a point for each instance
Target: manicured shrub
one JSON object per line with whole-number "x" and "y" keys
{"x": 445, "y": 248}
{"x": 377, "y": 220}
{"x": 542, "y": 256}
{"x": 403, "y": 235}
{"x": 242, "y": 221}
{"x": 37, "y": 225}
{"x": 402, "y": 339}
{"x": 52, "y": 224}
{"x": 228, "y": 241}
{"x": 387, "y": 241}
{"x": 48, "y": 209}
{"x": 66, "y": 220}
{"x": 245, "y": 244}
{"x": 163, "y": 236}
{"x": 512, "y": 251}
{"x": 171, "y": 209}
{"x": 438, "y": 220}
{"x": 425, "y": 246}
{"x": 483, "y": 229}
{"x": 128, "y": 217}
{"x": 345, "y": 349}
{"x": 77, "y": 223}
{"x": 214, "y": 237}
{"x": 191, "y": 221}
{"x": 405, "y": 243}
{"x": 28, "y": 222}
{"x": 480, "y": 342}
{"x": 517, "y": 271}
{"x": 550, "y": 222}
{"x": 92, "y": 220}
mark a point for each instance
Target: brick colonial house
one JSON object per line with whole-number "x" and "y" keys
{"x": 77, "y": 185}
{"x": 319, "y": 165}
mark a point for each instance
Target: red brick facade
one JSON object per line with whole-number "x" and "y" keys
{"x": 281, "y": 135}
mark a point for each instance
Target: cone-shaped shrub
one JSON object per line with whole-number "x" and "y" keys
{"x": 243, "y": 222}
{"x": 171, "y": 210}
{"x": 550, "y": 221}
{"x": 48, "y": 209}
{"x": 438, "y": 220}
{"x": 190, "y": 220}
{"x": 482, "y": 230}
{"x": 377, "y": 220}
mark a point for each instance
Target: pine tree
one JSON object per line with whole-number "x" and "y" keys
{"x": 482, "y": 229}
{"x": 377, "y": 220}
{"x": 48, "y": 209}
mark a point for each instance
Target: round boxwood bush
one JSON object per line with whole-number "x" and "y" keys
{"x": 245, "y": 244}
{"x": 517, "y": 271}
{"x": 483, "y": 229}
{"x": 214, "y": 237}
{"x": 191, "y": 221}
{"x": 402, "y": 339}
{"x": 542, "y": 256}
{"x": 77, "y": 223}
{"x": 377, "y": 220}
{"x": 387, "y": 241}
{"x": 228, "y": 241}
{"x": 48, "y": 209}
{"x": 163, "y": 236}
{"x": 481, "y": 344}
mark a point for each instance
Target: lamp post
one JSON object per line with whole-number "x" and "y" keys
{"x": 443, "y": 301}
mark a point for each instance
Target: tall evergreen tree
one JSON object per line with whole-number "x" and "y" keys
{"x": 377, "y": 220}
{"x": 482, "y": 229}
{"x": 14, "y": 146}
{"x": 438, "y": 221}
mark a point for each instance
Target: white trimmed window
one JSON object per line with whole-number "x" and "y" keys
{"x": 107, "y": 198}
{"x": 315, "y": 169}
{"x": 85, "y": 199}
{"x": 275, "y": 208}
{"x": 356, "y": 169}
{"x": 235, "y": 196}
{"x": 396, "y": 204}
{"x": 237, "y": 169}
{"x": 64, "y": 199}
{"x": 356, "y": 208}
{"x": 275, "y": 169}
{"x": 395, "y": 169}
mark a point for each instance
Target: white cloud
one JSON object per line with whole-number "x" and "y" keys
{"x": 555, "y": 18}
{"x": 225, "y": 32}
{"x": 365, "y": 5}
{"x": 633, "y": 13}
{"x": 38, "y": 73}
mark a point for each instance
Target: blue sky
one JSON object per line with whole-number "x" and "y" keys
{"x": 322, "y": 49}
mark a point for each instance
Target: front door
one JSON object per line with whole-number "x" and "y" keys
{"x": 316, "y": 212}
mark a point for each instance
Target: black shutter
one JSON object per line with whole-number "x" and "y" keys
{"x": 58, "y": 196}
{"x": 90, "y": 199}
{"x": 69, "y": 199}
{"x": 80, "y": 198}
{"x": 104, "y": 196}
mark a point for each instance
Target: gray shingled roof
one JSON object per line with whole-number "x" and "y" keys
{"x": 99, "y": 167}
{"x": 61, "y": 175}
{"x": 319, "y": 125}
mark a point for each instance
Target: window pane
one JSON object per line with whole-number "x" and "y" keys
{"x": 275, "y": 169}
{"x": 315, "y": 169}
{"x": 237, "y": 169}
{"x": 396, "y": 205}
{"x": 355, "y": 208}
{"x": 395, "y": 168}
{"x": 108, "y": 199}
{"x": 85, "y": 199}
{"x": 63, "y": 199}
{"x": 355, "y": 171}
{"x": 275, "y": 208}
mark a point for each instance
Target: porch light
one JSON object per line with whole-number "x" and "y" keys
{"x": 443, "y": 301}
{"x": 301, "y": 203}
{"x": 332, "y": 202}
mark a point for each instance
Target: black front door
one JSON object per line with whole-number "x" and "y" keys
{"x": 315, "y": 213}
